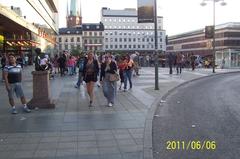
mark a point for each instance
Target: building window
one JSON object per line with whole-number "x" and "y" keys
{"x": 106, "y": 46}
{"x": 106, "y": 33}
{"x": 151, "y": 39}
{"x": 125, "y": 46}
{"x": 120, "y": 33}
{"x": 116, "y": 39}
{"x": 85, "y": 33}
{"x": 111, "y": 33}
{"x": 106, "y": 39}
{"x": 95, "y": 33}
{"x": 134, "y": 46}
{"x": 90, "y": 41}
{"x": 147, "y": 40}
{"x": 100, "y": 33}
{"x": 66, "y": 47}
{"x": 85, "y": 41}
{"x": 111, "y": 39}
{"x": 95, "y": 41}
{"x": 120, "y": 46}
{"x": 125, "y": 33}
{"x": 120, "y": 39}
{"x": 139, "y": 46}
{"x": 129, "y": 46}
{"x": 90, "y": 33}
{"x": 116, "y": 46}
{"x": 143, "y": 40}
{"x": 125, "y": 39}
{"x": 72, "y": 39}
{"x": 66, "y": 40}
{"x": 78, "y": 39}
{"x": 129, "y": 39}
{"x": 160, "y": 39}
{"x": 139, "y": 39}
{"x": 60, "y": 39}
{"x": 111, "y": 46}
{"x": 143, "y": 46}
{"x": 100, "y": 41}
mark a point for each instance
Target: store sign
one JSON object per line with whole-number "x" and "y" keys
{"x": 145, "y": 11}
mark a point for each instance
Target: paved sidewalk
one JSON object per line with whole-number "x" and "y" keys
{"x": 73, "y": 130}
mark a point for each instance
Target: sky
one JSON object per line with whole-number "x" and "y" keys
{"x": 179, "y": 16}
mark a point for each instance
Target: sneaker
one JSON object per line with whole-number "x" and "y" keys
{"x": 125, "y": 90}
{"x": 26, "y": 110}
{"x": 76, "y": 86}
{"x": 14, "y": 111}
{"x": 110, "y": 104}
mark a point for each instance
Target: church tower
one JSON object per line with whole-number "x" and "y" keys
{"x": 74, "y": 16}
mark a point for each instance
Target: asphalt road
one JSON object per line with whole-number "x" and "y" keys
{"x": 200, "y": 120}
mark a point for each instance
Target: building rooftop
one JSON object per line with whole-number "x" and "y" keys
{"x": 93, "y": 27}
{"x": 229, "y": 25}
{"x": 75, "y": 30}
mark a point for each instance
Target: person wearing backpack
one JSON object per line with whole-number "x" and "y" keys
{"x": 80, "y": 65}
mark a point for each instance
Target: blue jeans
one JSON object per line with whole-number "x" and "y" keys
{"x": 80, "y": 79}
{"x": 109, "y": 90}
{"x": 70, "y": 70}
{"x": 127, "y": 76}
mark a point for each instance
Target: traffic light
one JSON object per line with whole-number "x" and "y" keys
{"x": 209, "y": 32}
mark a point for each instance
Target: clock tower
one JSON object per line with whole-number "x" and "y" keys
{"x": 74, "y": 16}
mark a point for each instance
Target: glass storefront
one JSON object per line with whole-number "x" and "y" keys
{"x": 231, "y": 57}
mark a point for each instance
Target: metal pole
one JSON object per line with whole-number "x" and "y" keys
{"x": 156, "y": 45}
{"x": 213, "y": 44}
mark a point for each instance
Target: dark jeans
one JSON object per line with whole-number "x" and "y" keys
{"x": 62, "y": 70}
{"x": 179, "y": 68}
{"x": 127, "y": 76}
{"x": 80, "y": 79}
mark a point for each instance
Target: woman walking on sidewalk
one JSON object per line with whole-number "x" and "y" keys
{"x": 108, "y": 69}
{"x": 127, "y": 73}
{"x": 90, "y": 72}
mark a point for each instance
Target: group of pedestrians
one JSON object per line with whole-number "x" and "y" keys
{"x": 91, "y": 69}
{"x": 180, "y": 61}
{"x": 106, "y": 70}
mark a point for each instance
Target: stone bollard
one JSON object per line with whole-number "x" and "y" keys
{"x": 41, "y": 91}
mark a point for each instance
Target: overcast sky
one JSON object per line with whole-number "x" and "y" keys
{"x": 178, "y": 15}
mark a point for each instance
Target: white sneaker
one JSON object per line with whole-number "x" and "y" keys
{"x": 110, "y": 104}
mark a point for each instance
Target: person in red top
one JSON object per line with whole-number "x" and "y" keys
{"x": 121, "y": 67}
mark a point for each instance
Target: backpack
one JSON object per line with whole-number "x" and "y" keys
{"x": 80, "y": 65}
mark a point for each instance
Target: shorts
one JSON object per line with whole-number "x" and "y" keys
{"x": 17, "y": 88}
{"x": 90, "y": 78}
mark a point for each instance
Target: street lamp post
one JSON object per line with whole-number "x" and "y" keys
{"x": 156, "y": 45}
{"x": 213, "y": 44}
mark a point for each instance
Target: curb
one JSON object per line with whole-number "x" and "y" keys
{"x": 147, "y": 136}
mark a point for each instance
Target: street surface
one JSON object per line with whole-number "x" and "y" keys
{"x": 73, "y": 130}
{"x": 207, "y": 110}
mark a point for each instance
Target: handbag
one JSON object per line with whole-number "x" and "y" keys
{"x": 114, "y": 77}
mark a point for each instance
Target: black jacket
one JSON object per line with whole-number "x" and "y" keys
{"x": 113, "y": 69}
{"x": 96, "y": 67}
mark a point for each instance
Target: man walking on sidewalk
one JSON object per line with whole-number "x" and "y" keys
{"x": 13, "y": 79}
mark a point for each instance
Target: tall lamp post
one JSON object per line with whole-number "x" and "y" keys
{"x": 204, "y": 3}
{"x": 156, "y": 45}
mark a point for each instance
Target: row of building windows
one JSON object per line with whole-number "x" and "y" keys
{"x": 66, "y": 47}
{"x": 92, "y": 33}
{"x": 131, "y": 40}
{"x": 124, "y": 20}
{"x": 132, "y": 33}
{"x": 130, "y": 46}
{"x": 129, "y": 27}
{"x": 93, "y": 41}
{"x": 71, "y": 39}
